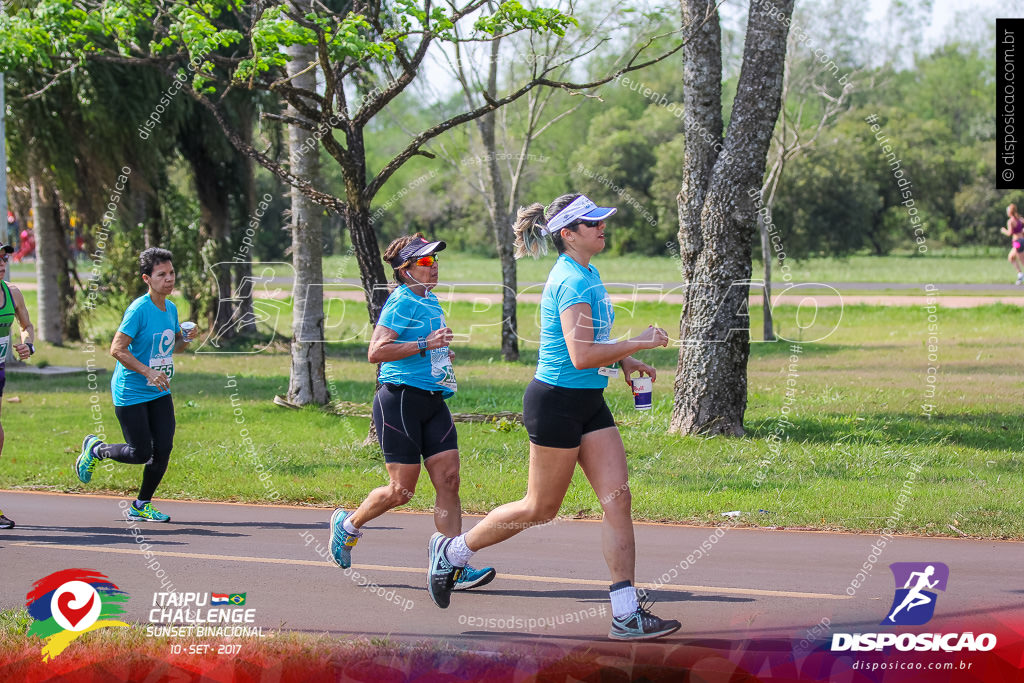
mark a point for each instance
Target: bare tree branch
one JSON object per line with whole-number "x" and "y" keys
{"x": 396, "y": 162}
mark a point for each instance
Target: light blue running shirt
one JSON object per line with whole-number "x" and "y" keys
{"x": 153, "y": 336}
{"x": 413, "y": 316}
{"x": 570, "y": 283}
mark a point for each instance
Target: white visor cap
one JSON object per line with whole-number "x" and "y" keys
{"x": 581, "y": 209}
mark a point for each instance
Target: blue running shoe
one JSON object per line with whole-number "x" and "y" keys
{"x": 641, "y": 624}
{"x": 148, "y": 513}
{"x": 86, "y": 461}
{"x": 441, "y": 574}
{"x": 474, "y": 578}
{"x": 342, "y": 541}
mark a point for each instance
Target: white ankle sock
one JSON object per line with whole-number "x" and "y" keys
{"x": 349, "y": 528}
{"x": 458, "y": 553}
{"x": 623, "y": 601}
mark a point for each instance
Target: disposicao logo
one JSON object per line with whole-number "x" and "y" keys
{"x": 71, "y": 602}
{"x": 912, "y": 605}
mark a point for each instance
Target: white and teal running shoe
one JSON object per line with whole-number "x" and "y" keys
{"x": 342, "y": 541}
{"x": 86, "y": 461}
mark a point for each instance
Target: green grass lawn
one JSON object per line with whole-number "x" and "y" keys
{"x": 973, "y": 265}
{"x": 976, "y": 265}
{"x": 857, "y": 427}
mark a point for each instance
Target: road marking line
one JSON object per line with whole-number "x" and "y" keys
{"x": 420, "y": 570}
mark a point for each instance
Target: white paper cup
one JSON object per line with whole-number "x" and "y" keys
{"x": 643, "y": 388}
{"x": 188, "y": 330}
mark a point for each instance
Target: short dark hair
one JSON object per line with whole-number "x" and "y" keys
{"x": 392, "y": 251}
{"x": 151, "y": 257}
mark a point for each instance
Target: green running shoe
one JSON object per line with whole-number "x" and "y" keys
{"x": 86, "y": 461}
{"x": 148, "y": 512}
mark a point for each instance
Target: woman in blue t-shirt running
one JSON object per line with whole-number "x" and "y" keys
{"x": 144, "y": 345}
{"x": 410, "y": 415}
{"x": 565, "y": 413}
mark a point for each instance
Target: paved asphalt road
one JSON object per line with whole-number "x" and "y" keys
{"x": 753, "y": 583}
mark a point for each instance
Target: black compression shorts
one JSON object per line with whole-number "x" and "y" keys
{"x": 558, "y": 417}
{"x": 412, "y": 423}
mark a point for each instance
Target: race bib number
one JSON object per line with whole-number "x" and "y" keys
{"x": 442, "y": 370}
{"x": 161, "y": 358}
{"x": 608, "y": 371}
{"x": 5, "y": 344}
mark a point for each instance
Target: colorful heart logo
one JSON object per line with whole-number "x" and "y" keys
{"x": 75, "y": 605}
{"x": 73, "y": 615}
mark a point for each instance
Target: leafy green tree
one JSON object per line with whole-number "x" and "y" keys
{"x": 366, "y": 55}
{"x": 617, "y": 165}
{"x": 829, "y": 199}
{"x": 68, "y": 144}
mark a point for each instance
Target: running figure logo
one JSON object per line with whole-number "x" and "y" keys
{"x": 914, "y": 602}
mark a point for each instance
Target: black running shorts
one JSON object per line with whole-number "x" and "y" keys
{"x": 412, "y": 423}
{"x": 558, "y": 417}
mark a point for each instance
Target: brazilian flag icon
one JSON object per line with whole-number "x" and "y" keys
{"x": 237, "y": 598}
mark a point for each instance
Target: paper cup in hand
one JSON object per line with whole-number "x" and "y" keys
{"x": 643, "y": 387}
{"x": 188, "y": 330}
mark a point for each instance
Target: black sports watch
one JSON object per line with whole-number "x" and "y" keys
{"x": 422, "y": 344}
{"x": 31, "y": 348}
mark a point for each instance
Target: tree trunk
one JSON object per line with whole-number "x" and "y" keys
{"x": 371, "y": 267}
{"x": 367, "y": 253}
{"x": 147, "y": 212}
{"x": 501, "y": 223}
{"x": 766, "y": 256}
{"x": 215, "y": 229}
{"x": 48, "y": 257}
{"x": 360, "y": 224}
{"x": 716, "y": 213}
{"x": 509, "y": 291}
{"x": 70, "y": 318}
{"x": 245, "y": 321}
{"x": 308, "y": 382}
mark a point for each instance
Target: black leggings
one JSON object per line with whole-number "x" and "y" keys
{"x": 149, "y": 430}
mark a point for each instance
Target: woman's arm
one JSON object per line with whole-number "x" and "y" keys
{"x": 119, "y": 350}
{"x": 28, "y": 331}
{"x": 384, "y": 350}
{"x": 578, "y": 331}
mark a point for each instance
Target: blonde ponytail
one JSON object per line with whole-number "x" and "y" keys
{"x": 529, "y": 221}
{"x": 529, "y": 237}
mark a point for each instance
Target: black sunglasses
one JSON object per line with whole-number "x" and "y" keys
{"x": 591, "y": 224}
